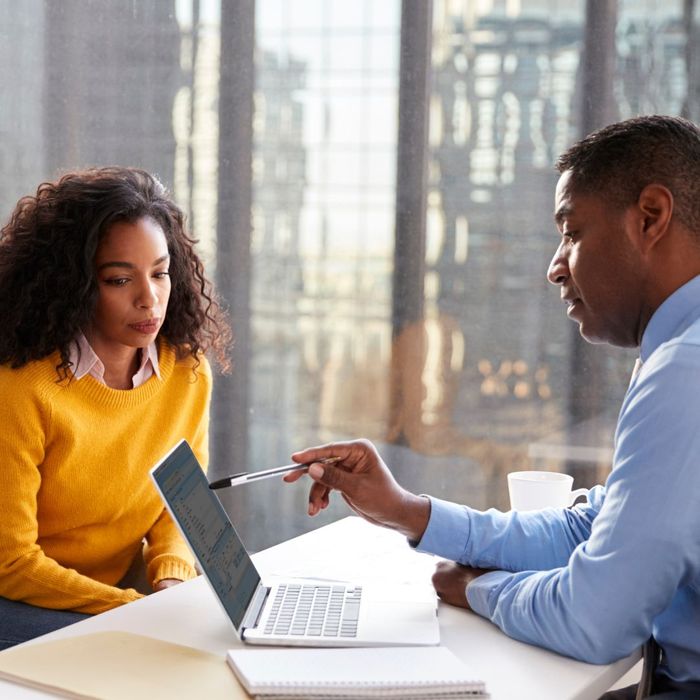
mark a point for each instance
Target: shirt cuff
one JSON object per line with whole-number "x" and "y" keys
{"x": 480, "y": 590}
{"x": 448, "y": 530}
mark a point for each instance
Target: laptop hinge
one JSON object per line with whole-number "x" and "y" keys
{"x": 252, "y": 616}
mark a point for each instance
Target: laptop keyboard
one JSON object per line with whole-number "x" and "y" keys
{"x": 315, "y": 611}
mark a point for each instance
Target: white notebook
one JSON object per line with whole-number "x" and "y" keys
{"x": 388, "y": 672}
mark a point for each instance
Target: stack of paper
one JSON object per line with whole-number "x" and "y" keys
{"x": 388, "y": 672}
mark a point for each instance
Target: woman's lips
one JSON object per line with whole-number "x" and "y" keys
{"x": 146, "y": 327}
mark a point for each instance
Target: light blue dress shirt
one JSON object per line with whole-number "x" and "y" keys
{"x": 595, "y": 581}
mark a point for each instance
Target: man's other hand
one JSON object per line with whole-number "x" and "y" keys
{"x": 451, "y": 580}
{"x": 366, "y": 484}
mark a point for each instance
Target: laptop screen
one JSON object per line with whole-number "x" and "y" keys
{"x": 207, "y": 530}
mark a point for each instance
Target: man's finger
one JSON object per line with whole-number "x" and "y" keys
{"x": 313, "y": 454}
{"x": 318, "y": 498}
{"x": 342, "y": 451}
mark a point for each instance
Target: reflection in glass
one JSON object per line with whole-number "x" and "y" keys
{"x": 485, "y": 376}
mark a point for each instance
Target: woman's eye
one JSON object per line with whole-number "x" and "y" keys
{"x": 117, "y": 281}
{"x": 161, "y": 275}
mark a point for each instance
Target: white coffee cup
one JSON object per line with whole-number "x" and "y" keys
{"x": 536, "y": 490}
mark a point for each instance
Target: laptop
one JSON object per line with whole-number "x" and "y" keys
{"x": 294, "y": 612}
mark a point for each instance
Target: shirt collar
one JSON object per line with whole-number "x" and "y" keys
{"x": 674, "y": 315}
{"x": 150, "y": 356}
{"x": 85, "y": 361}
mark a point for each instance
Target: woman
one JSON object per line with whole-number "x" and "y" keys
{"x": 105, "y": 315}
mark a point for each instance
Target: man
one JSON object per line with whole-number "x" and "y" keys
{"x": 596, "y": 581}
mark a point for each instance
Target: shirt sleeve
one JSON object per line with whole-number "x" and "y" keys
{"x": 166, "y": 554}
{"x": 644, "y": 545}
{"x": 496, "y": 540}
{"x": 26, "y": 572}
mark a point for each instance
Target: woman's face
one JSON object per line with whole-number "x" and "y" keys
{"x": 133, "y": 286}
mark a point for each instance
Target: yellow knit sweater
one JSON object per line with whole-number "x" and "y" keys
{"x": 75, "y": 496}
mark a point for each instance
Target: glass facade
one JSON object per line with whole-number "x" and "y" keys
{"x": 491, "y": 376}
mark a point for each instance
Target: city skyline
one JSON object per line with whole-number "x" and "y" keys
{"x": 487, "y": 371}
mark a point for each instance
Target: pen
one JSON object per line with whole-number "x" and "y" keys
{"x": 245, "y": 477}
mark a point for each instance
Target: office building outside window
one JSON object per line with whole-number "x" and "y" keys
{"x": 485, "y": 374}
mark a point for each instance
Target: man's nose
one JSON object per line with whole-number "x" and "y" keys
{"x": 558, "y": 271}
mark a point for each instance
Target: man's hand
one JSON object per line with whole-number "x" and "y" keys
{"x": 166, "y": 583}
{"x": 451, "y": 580}
{"x": 365, "y": 483}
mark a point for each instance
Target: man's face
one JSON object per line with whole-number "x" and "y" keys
{"x": 597, "y": 267}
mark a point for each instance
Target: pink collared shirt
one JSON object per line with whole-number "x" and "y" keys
{"x": 85, "y": 361}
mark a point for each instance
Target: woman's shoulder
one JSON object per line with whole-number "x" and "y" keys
{"x": 174, "y": 359}
{"x": 35, "y": 377}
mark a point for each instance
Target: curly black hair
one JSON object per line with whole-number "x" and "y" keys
{"x": 48, "y": 282}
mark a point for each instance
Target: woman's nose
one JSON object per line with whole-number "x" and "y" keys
{"x": 147, "y": 298}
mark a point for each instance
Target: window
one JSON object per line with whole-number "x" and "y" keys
{"x": 492, "y": 377}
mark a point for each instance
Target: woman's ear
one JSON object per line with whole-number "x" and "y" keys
{"x": 655, "y": 210}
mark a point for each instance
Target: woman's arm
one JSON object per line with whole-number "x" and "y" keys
{"x": 27, "y": 574}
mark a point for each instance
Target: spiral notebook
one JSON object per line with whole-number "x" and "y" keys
{"x": 388, "y": 672}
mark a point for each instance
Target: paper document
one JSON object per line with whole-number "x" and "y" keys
{"x": 119, "y": 665}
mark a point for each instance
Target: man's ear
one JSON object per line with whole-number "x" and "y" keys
{"x": 655, "y": 210}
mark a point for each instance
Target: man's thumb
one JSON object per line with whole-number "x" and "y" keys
{"x": 329, "y": 476}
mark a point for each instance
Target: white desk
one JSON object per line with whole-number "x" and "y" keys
{"x": 350, "y": 548}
